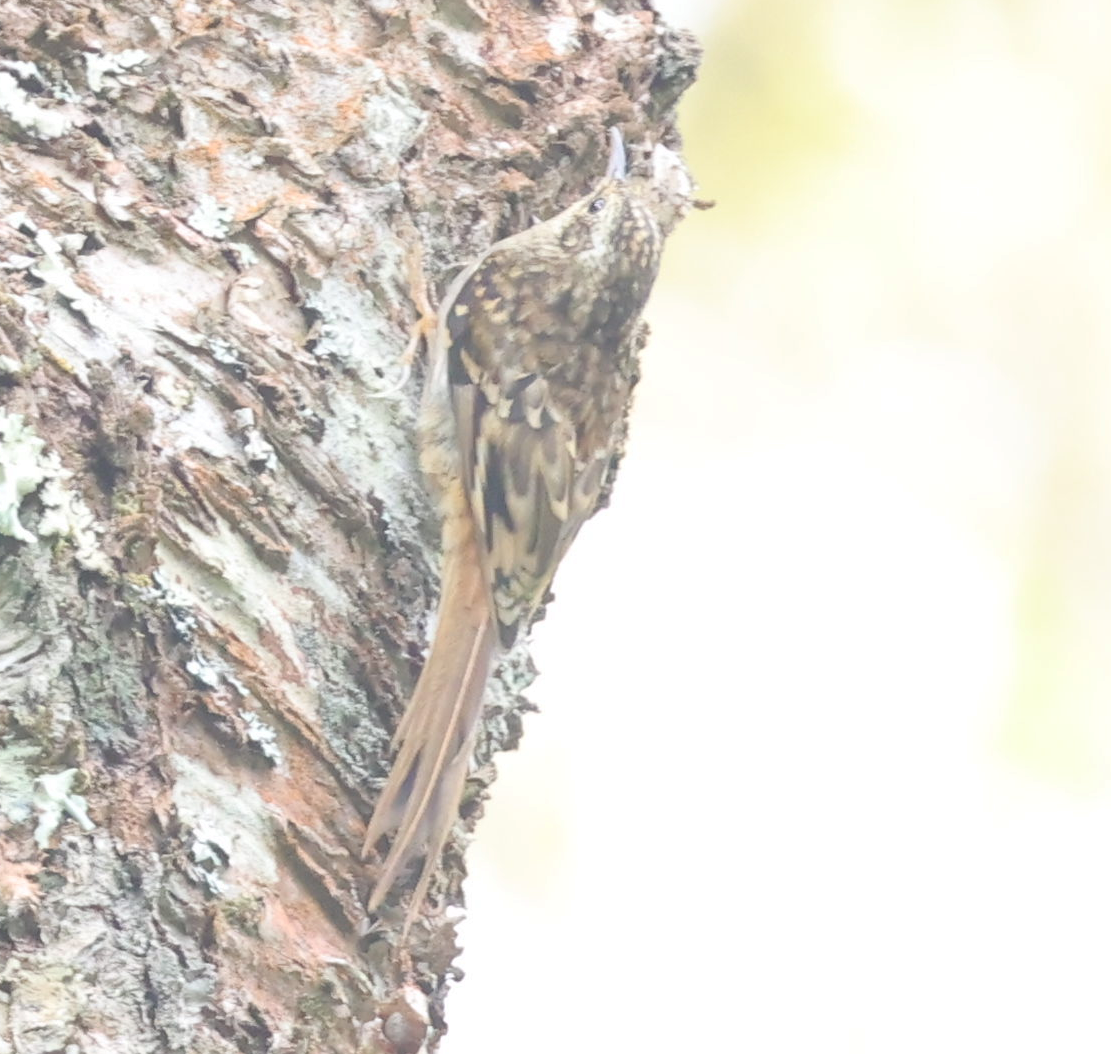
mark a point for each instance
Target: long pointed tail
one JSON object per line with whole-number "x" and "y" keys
{"x": 436, "y": 735}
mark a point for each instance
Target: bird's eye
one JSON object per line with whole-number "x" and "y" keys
{"x": 597, "y": 204}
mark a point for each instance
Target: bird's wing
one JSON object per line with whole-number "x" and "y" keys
{"x": 530, "y": 483}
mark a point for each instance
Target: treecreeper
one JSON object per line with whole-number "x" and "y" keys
{"x": 526, "y": 392}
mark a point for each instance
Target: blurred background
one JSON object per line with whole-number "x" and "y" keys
{"x": 824, "y": 762}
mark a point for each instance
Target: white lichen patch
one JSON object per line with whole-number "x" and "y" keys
{"x": 55, "y": 800}
{"x": 210, "y": 858}
{"x": 670, "y": 171}
{"x": 223, "y": 352}
{"x": 21, "y": 472}
{"x": 617, "y": 28}
{"x": 563, "y": 35}
{"x": 260, "y": 454}
{"x": 177, "y": 603}
{"x": 26, "y": 70}
{"x": 173, "y": 391}
{"x": 246, "y": 256}
{"x": 210, "y": 218}
{"x": 36, "y": 120}
{"x": 229, "y": 820}
{"x": 23, "y": 468}
{"x": 213, "y": 675}
{"x": 203, "y": 672}
{"x": 98, "y": 67}
{"x": 66, "y": 515}
{"x": 263, "y": 736}
{"x": 19, "y": 220}
{"x": 54, "y": 270}
{"x": 672, "y": 182}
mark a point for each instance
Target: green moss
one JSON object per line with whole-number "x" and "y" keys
{"x": 242, "y": 913}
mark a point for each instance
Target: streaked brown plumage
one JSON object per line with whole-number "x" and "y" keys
{"x": 527, "y": 390}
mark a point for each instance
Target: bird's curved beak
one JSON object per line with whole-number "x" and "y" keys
{"x": 616, "y": 167}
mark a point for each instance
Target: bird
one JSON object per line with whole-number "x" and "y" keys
{"x": 530, "y": 375}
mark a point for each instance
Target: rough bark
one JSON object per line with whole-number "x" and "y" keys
{"x": 217, "y": 559}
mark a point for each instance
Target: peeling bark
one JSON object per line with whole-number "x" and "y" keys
{"x": 217, "y": 559}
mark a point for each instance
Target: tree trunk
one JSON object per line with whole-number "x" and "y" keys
{"x": 217, "y": 558}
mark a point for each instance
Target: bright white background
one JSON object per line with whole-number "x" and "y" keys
{"x": 824, "y": 757}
